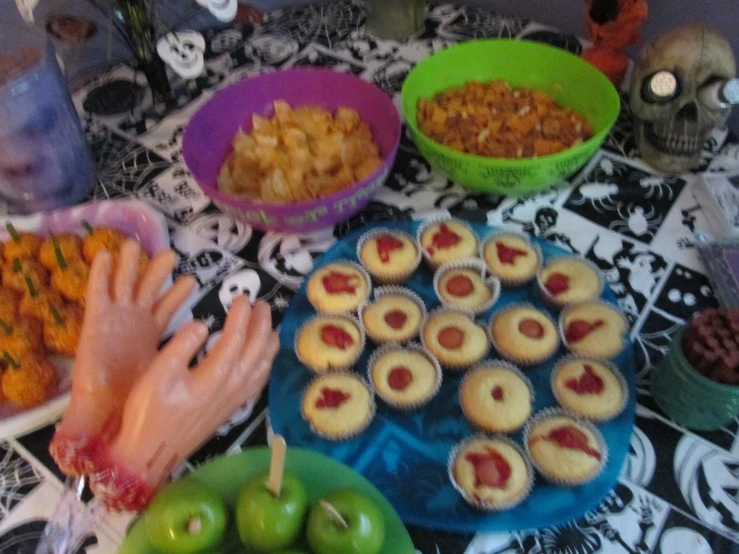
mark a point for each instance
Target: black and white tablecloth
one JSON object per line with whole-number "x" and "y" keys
{"x": 678, "y": 491}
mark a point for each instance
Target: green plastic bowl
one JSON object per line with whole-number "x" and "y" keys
{"x": 573, "y": 82}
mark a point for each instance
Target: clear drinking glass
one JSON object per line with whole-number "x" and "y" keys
{"x": 45, "y": 161}
{"x": 395, "y": 19}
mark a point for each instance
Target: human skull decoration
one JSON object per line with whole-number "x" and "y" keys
{"x": 183, "y": 51}
{"x": 671, "y": 121}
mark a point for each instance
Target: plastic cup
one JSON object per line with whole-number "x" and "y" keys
{"x": 45, "y": 161}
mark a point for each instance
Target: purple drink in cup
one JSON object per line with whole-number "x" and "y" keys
{"x": 45, "y": 161}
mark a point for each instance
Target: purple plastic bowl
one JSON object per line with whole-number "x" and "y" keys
{"x": 209, "y": 135}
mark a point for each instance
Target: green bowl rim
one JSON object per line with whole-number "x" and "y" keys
{"x": 677, "y": 347}
{"x": 595, "y": 140}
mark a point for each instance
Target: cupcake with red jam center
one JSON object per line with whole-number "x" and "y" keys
{"x": 447, "y": 241}
{"x": 569, "y": 280}
{"x": 565, "y": 450}
{"x": 490, "y": 473}
{"x": 406, "y": 378}
{"x": 512, "y": 258}
{"x": 396, "y": 315}
{"x": 338, "y": 406}
{"x": 523, "y": 334}
{"x": 454, "y": 339}
{"x": 329, "y": 343}
{"x": 338, "y": 288}
{"x": 590, "y": 388}
{"x": 593, "y": 329}
{"x": 390, "y": 257}
{"x": 465, "y": 285}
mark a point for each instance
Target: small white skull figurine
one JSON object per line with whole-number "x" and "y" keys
{"x": 223, "y": 10}
{"x": 183, "y": 51}
{"x": 244, "y": 282}
{"x": 671, "y": 121}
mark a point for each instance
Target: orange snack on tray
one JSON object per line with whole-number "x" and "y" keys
{"x": 496, "y": 120}
{"x": 28, "y": 380}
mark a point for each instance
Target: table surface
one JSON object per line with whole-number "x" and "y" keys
{"x": 678, "y": 490}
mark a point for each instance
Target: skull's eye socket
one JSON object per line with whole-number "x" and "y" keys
{"x": 660, "y": 87}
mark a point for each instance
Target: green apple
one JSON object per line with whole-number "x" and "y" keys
{"x": 267, "y": 523}
{"x": 185, "y": 518}
{"x": 346, "y": 522}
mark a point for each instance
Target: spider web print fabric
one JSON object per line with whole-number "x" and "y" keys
{"x": 678, "y": 491}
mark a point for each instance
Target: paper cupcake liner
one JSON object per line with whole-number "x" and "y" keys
{"x": 321, "y": 371}
{"x": 551, "y": 300}
{"x": 512, "y": 283}
{"x": 497, "y": 364}
{"x": 455, "y": 368}
{"x": 616, "y": 372}
{"x": 353, "y": 432}
{"x": 520, "y": 361}
{"x": 477, "y": 502}
{"x": 397, "y": 278}
{"x": 556, "y": 412}
{"x": 476, "y": 265}
{"x": 599, "y": 357}
{"x": 405, "y": 406}
{"x": 392, "y": 290}
{"x": 426, "y": 224}
{"x": 362, "y": 272}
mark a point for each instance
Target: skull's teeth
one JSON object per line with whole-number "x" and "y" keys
{"x": 670, "y": 143}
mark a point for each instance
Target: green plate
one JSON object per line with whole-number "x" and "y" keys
{"x": 319, "y": 474}
{"x": 573, "y": 82}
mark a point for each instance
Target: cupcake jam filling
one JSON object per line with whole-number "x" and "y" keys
{"x": 497, "y": 392}
{"x": 385, "y": 245}
{"x": 491, "y": 469}
{"x": 399, "y": 378}
{"x": 557, "y": 283}
{"x": 450, "y": 338}
{"x": 587, "y": 383}
{"x": 508, "y": 255}
{"x": 331, "y": 398}
{"x": 395, "y": 319}
{"x": 578, "y": 329}
{"x": 336, "y": 282}
{"x": 531, "y": 328}
{"x": 460, "y": 286}
{"x": 570, "y": 437}
{"x": 335, "y": 336}
{"x": 443, "y": 238}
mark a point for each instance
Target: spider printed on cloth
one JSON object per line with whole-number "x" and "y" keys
{"x": 624, "y": 199}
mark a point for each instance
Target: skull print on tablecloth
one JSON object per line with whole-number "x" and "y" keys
{"x": 223, "y": 10}
{"x": 183, "y": 52}
{"x": 242, "y": 282}
{"x": 671, "y": 121}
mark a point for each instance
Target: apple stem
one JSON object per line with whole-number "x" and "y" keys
{"x": 195, "y": 526}
{"x": 333, "y": 514}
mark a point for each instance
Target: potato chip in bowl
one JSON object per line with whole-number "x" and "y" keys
{"x": 299, "y": 154}
{"x": 295, "y": 150}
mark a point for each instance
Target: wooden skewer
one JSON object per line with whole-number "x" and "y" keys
{"x": 277, "y": 466}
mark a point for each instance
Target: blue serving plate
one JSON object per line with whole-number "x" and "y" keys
{"x": 405, "y": 454}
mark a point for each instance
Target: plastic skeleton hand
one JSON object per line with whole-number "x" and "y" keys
{"x": 124, "y": 321}
{"x": 172, "y": 410}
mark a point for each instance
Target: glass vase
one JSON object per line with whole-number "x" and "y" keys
{"x": 138, "y": 24}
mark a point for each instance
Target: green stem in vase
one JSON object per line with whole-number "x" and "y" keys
{"x": 139, "y": 26}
